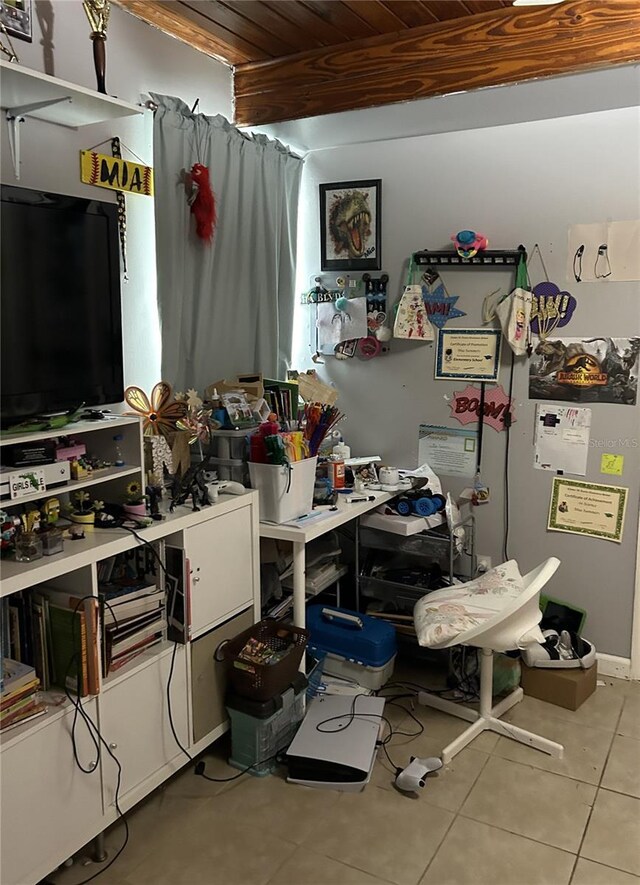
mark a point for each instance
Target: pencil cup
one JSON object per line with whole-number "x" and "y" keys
{"x": 28, "y": 547}
{"x": 286, "y": 490}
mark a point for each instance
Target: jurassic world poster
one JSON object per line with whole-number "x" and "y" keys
{"x": 350, "y": 225}
{"x": 586, "y": 370}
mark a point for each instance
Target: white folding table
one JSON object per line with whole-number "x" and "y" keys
{"x": 321, "y": 521}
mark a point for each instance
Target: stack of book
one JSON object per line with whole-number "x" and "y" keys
{"x": 19, "y": 699}
{"x": 66, "y": 650}
{"x": 133, "y": 620}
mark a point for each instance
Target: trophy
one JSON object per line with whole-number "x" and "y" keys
{"x": 97, "y": 11}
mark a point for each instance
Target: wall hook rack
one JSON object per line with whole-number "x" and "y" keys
{"x": 486, "y": 258}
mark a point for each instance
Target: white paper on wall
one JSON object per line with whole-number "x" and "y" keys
{"x": 562, "y": 439}
{"x": 604, "y": 252}
{"x": 335, "y": 325}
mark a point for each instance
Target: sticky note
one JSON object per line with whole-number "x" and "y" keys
{"x": 612, "y": 464}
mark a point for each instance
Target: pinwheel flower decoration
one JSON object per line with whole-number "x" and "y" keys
{"x": 160, "y": 414}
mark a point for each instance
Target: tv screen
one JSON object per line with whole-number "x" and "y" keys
{"x": 60, "y": 321}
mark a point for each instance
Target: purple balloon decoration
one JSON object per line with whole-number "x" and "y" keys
{"x": 556, "y": 307}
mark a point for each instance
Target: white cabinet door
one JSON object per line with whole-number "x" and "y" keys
{"x": 48, "y": 806}
{"x": 220, "y": 553}
{"x": 134, "y": 720}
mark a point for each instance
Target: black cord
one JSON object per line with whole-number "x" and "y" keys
{"x": 507, "y": 424}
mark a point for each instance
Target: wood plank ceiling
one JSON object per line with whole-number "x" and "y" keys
{"x": 299, "y": 58}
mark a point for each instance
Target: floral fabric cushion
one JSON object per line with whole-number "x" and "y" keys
{"x": 440, "y": 617}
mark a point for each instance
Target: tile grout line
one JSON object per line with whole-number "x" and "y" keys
{"x": 455, "y": 818}
{"x": 598, "y": 787}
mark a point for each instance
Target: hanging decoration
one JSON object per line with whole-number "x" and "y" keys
{"x": 551, "y": 309}
{"x": 466, "y": 406}
{"x": 122, "y": 209}
{"x": 159, "y": 413}
{"x": 412, "y": 320}
{"x": 115, "y": 174}
{"x": 202, "y": 202}
{"x": 438, "y": 303}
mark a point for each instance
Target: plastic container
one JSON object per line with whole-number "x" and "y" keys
{"x": 261, "y": 730}
{"x": 286, "y": 491}
{"x": 261, "y": 682}
{"x": 342, "y": 450}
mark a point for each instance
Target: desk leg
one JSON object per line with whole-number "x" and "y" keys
{"x": 357, "y": 562}
{"x": 299, "y": 584}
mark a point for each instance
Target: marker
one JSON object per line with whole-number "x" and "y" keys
{"x": 355, "y": 500}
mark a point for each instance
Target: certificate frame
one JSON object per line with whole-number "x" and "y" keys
{"x": 456, "y": 354}
{"x": 593, "y": 509}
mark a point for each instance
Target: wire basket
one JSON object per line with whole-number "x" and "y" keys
{"x": 262, "y": 681}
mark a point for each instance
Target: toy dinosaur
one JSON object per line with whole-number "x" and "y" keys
{"x": 193, "y": 484}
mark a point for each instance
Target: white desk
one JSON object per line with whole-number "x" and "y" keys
{"x": 308, "y": 529}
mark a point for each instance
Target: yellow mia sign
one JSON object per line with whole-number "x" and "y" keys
{"x": 115, "y": 174}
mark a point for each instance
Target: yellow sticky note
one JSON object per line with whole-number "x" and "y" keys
{"x": 612, "y": 464}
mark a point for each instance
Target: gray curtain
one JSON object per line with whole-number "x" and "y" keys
{"x": 225, "y": 307}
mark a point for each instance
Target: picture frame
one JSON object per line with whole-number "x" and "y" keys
{"x": 468, "y": 354}
{"x": 16, "y": 16}
{"x": 350, "y": 215}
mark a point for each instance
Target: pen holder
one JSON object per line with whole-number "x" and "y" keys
{"x": 28, "y": 547}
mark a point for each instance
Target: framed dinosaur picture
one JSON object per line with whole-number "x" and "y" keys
{"x": 350, "y": 213}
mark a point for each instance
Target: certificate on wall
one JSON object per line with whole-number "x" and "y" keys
{"x": 451, "y": 451}
{"x": 587, "y": 508}
{"x": 469, "y": 354}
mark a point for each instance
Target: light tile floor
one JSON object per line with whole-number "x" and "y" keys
{"x": 500, "y": 813}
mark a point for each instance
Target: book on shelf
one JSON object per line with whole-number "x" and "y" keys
{"x": 118, "y": 610}
{"x": 15, "y": 675}
{"x": 10, "y": 698}
{"x": 119, "y": 593}
{"x": 131, "y": 654}
{"x": 48, "y": 597}
{"x": 130, "y": 635}
{"x": 39, "y": 709}
{"x": 69, "y": 635}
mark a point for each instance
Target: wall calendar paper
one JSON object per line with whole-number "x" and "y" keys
{"x": 587, "y": 508}
{"x": 561, "y": 439}
{"x": 449, "y": 451}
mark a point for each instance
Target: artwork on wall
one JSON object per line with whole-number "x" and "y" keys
{"x": 466, "y": 406}
{"x": 16, "y": 17}
{"x": 586, "y": 370}
{"x": 350, "y": 225}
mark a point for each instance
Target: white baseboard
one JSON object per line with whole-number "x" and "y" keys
{"x": 612, "y": 665}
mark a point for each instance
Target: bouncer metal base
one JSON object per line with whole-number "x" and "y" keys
{"x": 488, "y": 718}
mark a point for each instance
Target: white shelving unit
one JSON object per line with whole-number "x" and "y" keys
{"x": 43, "y": 789}
{"x": 28, "y": 93}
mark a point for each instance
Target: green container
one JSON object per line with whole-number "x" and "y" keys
{"x": 261, "y": 730}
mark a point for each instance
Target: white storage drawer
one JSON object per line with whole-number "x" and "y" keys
{"x": 48, "y": 806}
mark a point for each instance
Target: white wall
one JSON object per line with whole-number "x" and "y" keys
{"x": 140, "y": 59}
{"x": 522, "y": 183}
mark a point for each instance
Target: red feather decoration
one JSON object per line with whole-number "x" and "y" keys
{"x": 204, "y": 204}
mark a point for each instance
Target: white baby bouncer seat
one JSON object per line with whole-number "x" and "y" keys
{"x": 497, "y": 612}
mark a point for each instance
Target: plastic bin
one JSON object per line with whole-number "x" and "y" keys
{"x": 228, "y": 454}
{"x": 286, "y": 491}
{"x": 261, "y": 730}
{"x": 261, "y": 682}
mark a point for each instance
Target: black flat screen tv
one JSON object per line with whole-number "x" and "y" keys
{"x": 60, "y": 319}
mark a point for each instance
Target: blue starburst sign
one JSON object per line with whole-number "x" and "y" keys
{"x": 440, "y": 306}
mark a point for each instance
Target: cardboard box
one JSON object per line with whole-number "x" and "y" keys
{"x": 567, "y": 688}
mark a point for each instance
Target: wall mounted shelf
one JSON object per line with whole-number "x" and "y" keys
{"x": 488, "y": 258}
{"x": 28, "y": 93}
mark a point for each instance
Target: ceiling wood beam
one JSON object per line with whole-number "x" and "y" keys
{"x": 170, "y": 19}
{"x": 494, "y": 48}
